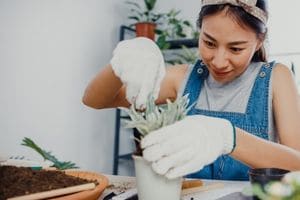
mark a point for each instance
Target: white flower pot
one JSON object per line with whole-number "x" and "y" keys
{"x": 152, "y": 186}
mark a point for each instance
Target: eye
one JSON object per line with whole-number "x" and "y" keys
{"x": 236, "y": 49}
{"x": 209, "y": 44}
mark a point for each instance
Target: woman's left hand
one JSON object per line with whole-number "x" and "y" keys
{"x": 188, "y": 145}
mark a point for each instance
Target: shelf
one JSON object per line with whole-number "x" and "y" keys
{"x": 190, "y": 43}
{"x": 124, "y": 117}
{"x": 125, "y": 156}
{"x": 174, "y": 44}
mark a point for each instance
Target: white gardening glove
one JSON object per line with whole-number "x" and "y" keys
{"x": 188, "y": 145}
{"x": 140, "y": 65}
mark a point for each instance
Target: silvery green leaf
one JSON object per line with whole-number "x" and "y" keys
{"x": 157, "y": 116}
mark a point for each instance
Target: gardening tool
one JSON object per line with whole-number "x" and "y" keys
{"x": 201, "y": 188}
{"x": 22, "y": 161}
{"x": 57, "y": 192}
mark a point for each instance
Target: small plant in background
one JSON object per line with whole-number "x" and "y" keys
{"x": 143, "y": 13}
{"x": 145, "y": 18}
{"x": 162, "y": 28}
{"x": 187, "y": 55}
{"x": 48, "y": 156}
{"x": 174, "y": 28}
{"x": 156, "y": 116}
{"x": 287, "y": 189}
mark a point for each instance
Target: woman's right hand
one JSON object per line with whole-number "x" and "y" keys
{"x": 140, "y": 65}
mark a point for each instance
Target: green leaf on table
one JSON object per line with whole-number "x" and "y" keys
{"x": 62, "y": 165}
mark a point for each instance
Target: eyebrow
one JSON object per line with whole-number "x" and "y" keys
{"x": 230, "y": 43}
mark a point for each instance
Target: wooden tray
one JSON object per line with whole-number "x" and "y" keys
{"x": 81, "y": 192}
{"x": 88, "y": 194}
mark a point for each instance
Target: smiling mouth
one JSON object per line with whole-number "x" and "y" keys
{"x": 221, "y": 74}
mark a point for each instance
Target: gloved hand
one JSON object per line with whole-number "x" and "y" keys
{"x": 188, "y": 145}
{"x": 140, "y": 65}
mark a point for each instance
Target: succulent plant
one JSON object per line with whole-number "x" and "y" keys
{"x": 155, "y": 116}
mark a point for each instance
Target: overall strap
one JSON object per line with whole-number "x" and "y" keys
{"x": 257, "y": 107}
{"x": 194, "y": 82}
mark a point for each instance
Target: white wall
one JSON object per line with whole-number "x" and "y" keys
{"x": 283, "y": 28}
{"x": 189, "y": 9}
{"x": 284, "y": 34}
{"x": 49, "y": 50}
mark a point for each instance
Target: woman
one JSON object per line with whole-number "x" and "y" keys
{"x": 246, "y": 111}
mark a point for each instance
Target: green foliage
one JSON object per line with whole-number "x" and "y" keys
{"x": 173, "y": 28}
{"x": 187, "y": 55}
{"x": 277, "y": 190}
{"x": 169, "y": 27}
{"x": 174, "y": 25}
{"x": 259, "y": 192}
{"x": 157, "y": 116}
{"x": 176, "y": 28}
{"x": 144, "y": 13}
{"x": 48, "y": 156}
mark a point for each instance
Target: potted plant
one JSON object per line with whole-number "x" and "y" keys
{"x": 177, "y": 30}
{"x": 145, "y": 18}
{"x": 184, "y": 55}
{"x": 174, "y": 28}
{"x": 151, "y": 185}
{"x": 288, "y": 188}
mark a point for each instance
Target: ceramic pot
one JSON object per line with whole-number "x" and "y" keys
{"x": 263, "y": 176}
{"x": 153, "y": 186}
{"x": 145, "y": 29}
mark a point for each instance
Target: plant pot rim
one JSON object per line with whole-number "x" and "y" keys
{"x": 137, "y": 157}
{"x": 146, "y": 23}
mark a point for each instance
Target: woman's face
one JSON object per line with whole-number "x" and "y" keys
{"x": 226, "y": 47}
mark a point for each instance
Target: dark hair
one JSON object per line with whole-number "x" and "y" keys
{"x": 244, "y": 19}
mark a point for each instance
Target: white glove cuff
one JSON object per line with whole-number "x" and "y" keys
{"x": 229, "y": 138}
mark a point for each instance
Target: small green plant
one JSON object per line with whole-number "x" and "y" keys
{"x": 48, "y": 156}
{"x": 173, "y": 28}
{"x": 169, "y": 26}
{"x": 143, "y": 13}
{"x": 156, "y": 116}
{"x": 186, "y": 55}
{"x": 176, "y": 28}
{"x": 286, "y": 189}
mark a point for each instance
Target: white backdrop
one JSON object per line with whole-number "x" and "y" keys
{"x": 49, "y": 50}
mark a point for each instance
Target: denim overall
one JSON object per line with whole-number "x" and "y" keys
{"x": 254, "y": 120}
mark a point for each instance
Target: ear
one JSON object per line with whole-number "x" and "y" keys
{"x": 260, "y": 41}
{"x": 259, "y": 44}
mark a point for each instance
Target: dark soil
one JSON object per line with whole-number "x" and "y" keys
{"x": 18, "y": 181}
{"x": 137, "y": 135}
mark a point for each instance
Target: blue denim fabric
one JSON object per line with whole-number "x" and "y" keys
{"x": 254, "y": 120}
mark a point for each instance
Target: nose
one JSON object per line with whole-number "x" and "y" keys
{"x": 220, "y": 60}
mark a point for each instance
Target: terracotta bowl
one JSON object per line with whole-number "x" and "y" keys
{"x": 88, "y": 194}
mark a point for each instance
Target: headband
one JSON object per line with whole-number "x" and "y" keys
{"x": 248, "y": 5}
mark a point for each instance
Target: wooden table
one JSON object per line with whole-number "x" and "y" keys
{"x": 122, "y": 183}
